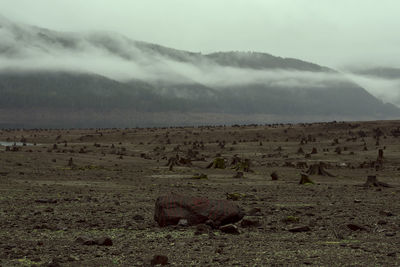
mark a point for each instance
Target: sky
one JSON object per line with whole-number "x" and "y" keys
{"x": 334, "y": 33}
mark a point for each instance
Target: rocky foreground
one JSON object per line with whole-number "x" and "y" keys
{"x": 306, "y": 194}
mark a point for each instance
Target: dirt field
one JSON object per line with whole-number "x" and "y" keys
{"x": 90, "y": 184}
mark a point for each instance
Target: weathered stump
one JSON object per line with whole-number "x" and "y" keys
{"x": 218, "y": 163}
{"x": 372, "y": 181}
{"x": 319, "y": 169}
{"x": 305, "y": 179}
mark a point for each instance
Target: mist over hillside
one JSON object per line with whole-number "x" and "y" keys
{"x": 100, "y": 79}
{"x": 381, "y": 82}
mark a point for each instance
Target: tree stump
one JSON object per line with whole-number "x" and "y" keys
{"x": 319, "y": 169}
{"x": 71, "y": 162}
{"x": 238, "y": 175}
{"x": 300, "y": 151}
{"x": 274, "y": 176}
{"x": 380, "y": 155}
{"x": 218, "y": 163}
{"x": 372, "y": 181}
{"x": 305, "y": 179}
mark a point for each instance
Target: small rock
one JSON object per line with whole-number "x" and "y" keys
{"x": 49, "y": 209}
{"x": 46, "y": 201}
{"x": 138, "y": 217}
{"x": 183, "y": 222}
{"x": 247, "y": 222}
{"x": 201, "y": 229}
{"x": 37, "y": 259}
{"x": 355, "y": 227}
{"x": 73, "y": 258}
{"x": 255, "y": 212}
{"x": 229, "y": 229}
{"x": 219, "y": 251}
{"x": 300, "y": 229}
{"x": 211, "y": 223}
{"x": 386, "y": 213}
{"x": 159, "y": 260}
{"x": 104, "y": 241}
{"x": 54, "y": 263}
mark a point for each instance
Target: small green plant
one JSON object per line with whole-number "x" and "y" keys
{"x": 291, "y": 219}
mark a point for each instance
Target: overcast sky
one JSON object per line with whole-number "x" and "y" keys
{"x": 329, "y": 32}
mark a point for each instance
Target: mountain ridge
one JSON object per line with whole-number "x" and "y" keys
{"x": 107, "y": 73}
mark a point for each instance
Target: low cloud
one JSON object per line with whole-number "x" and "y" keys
{"x": 27, "y": 48}
{"x": 383, "y": 88}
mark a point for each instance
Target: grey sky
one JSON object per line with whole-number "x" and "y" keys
{"x": 329, "y": 32}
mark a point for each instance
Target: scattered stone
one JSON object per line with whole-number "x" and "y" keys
{"x": 202, "y": 229}
{"x": 48, "y": 209}
{"x": 183, "y": 223}
{"x": 54, "y": 263}
{"x": 390, "y": 234}
{"x": 83, "y": 240}
{"x": 159, "y": 260}
{"x": 300, "y": 229}
{"x": 73, "y": 258}
{"x": 355, "y": 227}
{"x": 101, "y": 241}
{"x": 254, "y": 212}
{"x": 46, "y": 201}
{"x": 138, "y": 217}
{"x": 382, "y": 222}
{"x": 386, "y": 213}
{"x": 196, "y": 210}
{"x": 249, "y": 222}
{"x": 229, "y": 229}
{"x": 200, "y": 176}
{"x": 104, "y": 241}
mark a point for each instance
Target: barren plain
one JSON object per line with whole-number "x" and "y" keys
{"x": 67, "y": 186}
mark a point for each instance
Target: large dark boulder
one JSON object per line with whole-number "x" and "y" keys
{"x": 196, "y": 210}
